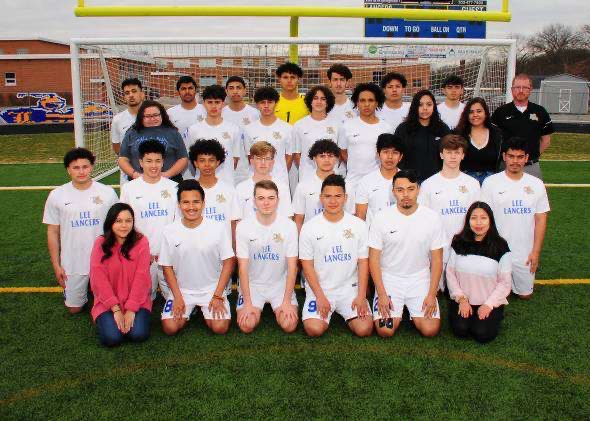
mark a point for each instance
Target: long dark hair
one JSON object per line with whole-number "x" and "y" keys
{"x": 492, "y": 245}
{"x": 109, "y": 235}
{"x": 138, "y": 125}
{"x": 464, "y": 126}
{"x": 413, "y": 119}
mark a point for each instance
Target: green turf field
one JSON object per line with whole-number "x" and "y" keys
{"x": 537, "y": 368}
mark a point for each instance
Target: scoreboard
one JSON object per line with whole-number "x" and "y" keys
{"x": 401, "y": 28}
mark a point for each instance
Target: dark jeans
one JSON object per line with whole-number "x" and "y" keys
{"x": 109, "y": 335}
{"x": 481, "y": 330}
{"x": 480, "y": 175}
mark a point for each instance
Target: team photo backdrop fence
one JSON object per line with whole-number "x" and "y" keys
{"x": 100, "y": 65}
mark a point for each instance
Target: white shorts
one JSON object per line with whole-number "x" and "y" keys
{"x": 340, "y": 303}
{"x": 76, "y": 290}
{"x": 522, "y": 278}
{"x": 191, "y": 301}
{"x": 157, "y": 276}
{"x": 406, "y": 292}
{"x": 260, "y": 295}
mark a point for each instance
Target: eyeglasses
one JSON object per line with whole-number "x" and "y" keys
{"x": 263, "y": 159}
{"x": 521, "y": 88}
{"x": 151, "y": 115}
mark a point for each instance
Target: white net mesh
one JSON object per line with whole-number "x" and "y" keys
{"x": 104, "y": 66}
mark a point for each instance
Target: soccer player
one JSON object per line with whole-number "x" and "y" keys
{"x": 374, "y": 191}
{"x": 306, "y": 201}
{"x": 358, "y": 137}
{"x": 317, "y": 125}
{"x": 197, "y": 259}
{"x": 262, "y": 154}
{"x": 272, "y": 130}
{"x": 450, "y": 110}
{"x": 215, "y": 127}
{"x": 74, "y": 214}
{"x": 153, "y": 200}
{"x": 333, "y": 254}
{"x": 520, "y": 204}
{"x": 522, "y": 118}
{"x": 405, "y": 258}
{"x": 266, "y": 248}
{"x": 290, "y": 106}
{"x": 450, "y": 192}
{"x": 133, "y": 97}
{"x": 339, "y": 77}
{"x": 394, "y": 110}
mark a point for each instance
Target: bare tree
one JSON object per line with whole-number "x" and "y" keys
{"x": 554, "y": 39}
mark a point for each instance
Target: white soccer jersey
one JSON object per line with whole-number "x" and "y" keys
{"x": 515, "y": 204}
{"x": 343, "y": 113}
{"x": 267, "y": 249}
{"x": 360, "y": 139}
{"x": 183, "y": 119}
{"x": 226, "y": 133}
{"x": 120, "y": 125}
{"x": 306, "y": 132}
{"x": 245, "y": 191}
{"x": 394, "y": 116}
{"x": 241, "y": 119}
{"x": 279, "y": 134}
{"x": 334, "y": 248}
{"x": 450, "y": 116}
{"x": 221, "y": 204}
{"x": 195, "y": 254}
{"x": 375, "y": 191}
{"x": 155, "y": 206}
{"x": 306, "y": 200}
{"x": 406, "y": 241}
{"x": 80, "y": 215}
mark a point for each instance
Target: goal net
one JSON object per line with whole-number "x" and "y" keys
{"x": 100, "y": 65}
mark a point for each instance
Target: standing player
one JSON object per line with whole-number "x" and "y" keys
{"x": 333, "y": 254}
{"x": 394, "y": 110}
{"x": 272, "y": 130}
{"x": 451, "y": 109}
{"x": 339, "y": 76}
{"x": 520, "y": 206}
{"x": 215, "y": 127}
{"x": 263, "y": 157}
{"x": 190, "y": 246}
{"x": 450, "y": 192}
{"x": 266, "y": 247}
{"x": 374, "y": 191}
{"x": 74, "y": 214}
{"x": 405, "y": 257}
{"x": 152, "y": 198}
{"x": 317, "y": 125}
{"x": 290, "y": 106}
{"x": 133, "y": 97}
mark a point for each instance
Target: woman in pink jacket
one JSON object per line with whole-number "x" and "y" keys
{"x": 120, "y": 279}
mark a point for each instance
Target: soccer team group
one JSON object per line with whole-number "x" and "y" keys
{"x": 358, "y": 198}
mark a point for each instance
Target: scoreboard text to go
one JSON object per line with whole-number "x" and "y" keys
{"x": 400, "y": 28}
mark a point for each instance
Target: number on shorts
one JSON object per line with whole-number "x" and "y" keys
{"x": 376, "y": 305}
{"x": 312, "y": 308}
{"x": 168, "y": 306}
{"x": 240, "y": 299}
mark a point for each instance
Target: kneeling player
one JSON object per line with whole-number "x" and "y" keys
{"x": 197, "y": 258}
{"x": 266, "y": 246}
{"x": 333, "y": 253}
{"x": 405, "y": 257}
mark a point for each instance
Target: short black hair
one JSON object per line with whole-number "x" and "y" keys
{"x": 371, "y": 87}
{"x": 330, "y": 100}
{"x": 393, "y": 76}
{"x": 78, "y": 153}
{"x": 341, "y": 69}
{"x": 390, "y": 141}
{"x": 238, "y": 79}
{"x": 334, "y": 180}
{"x": 453, "y": 80}
{"x": 266, "y": 93}
{"x": 214, "y": 92}
{"x": 185, "y": 79}
{"x": 324, "y": 146}
{"x": 151, "y": 146}
{"x": 189, "y": 185}
{"x": 289, "y": 67}
{"x": 207, "y": 147}
{"x": 411, "y": 175}
{"x": 131, "y": 81}
{"x": 516, "y": 144}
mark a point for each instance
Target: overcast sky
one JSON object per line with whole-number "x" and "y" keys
{"x": 55, "y": 19}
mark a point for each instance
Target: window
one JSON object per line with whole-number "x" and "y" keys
{"x": 207, "y": 62}
{"x": 22, "y": 51}
{"x": 9, "y": 79}
{"x": 416, "y": 83}
{"x": 1, "y": 51}
{"x": 227, "y": 62}
{"x": 205, "y": 81}
{"x": 247, "y": 62}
